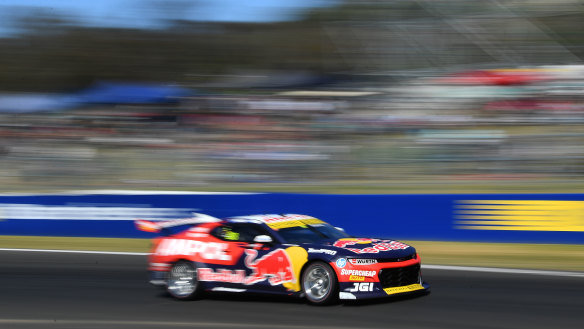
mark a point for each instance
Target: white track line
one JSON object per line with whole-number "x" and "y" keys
{"x": 425, "y": 266}
{"x": 127, "y": 192}
{"x": 79, "y": 251}
{"x": 158, "y": 324}
{"x": 503, "y": 270}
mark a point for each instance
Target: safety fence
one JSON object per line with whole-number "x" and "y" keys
{"x": 536, "y": 218}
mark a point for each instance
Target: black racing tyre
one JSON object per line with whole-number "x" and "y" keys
{"x": 182, "y": 281}
{"x": 320, "y": 284}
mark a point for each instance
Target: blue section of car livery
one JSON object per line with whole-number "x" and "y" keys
{"x": 288, "y": 254}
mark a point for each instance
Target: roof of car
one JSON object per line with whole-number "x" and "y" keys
{"x": 269, "y": 218}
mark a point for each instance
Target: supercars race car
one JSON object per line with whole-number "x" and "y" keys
{"x": 284, "y": 254}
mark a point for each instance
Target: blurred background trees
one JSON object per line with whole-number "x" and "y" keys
{"x": 54, "y": 52}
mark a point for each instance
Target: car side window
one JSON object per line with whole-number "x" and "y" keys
{"x": 238, "y": 232}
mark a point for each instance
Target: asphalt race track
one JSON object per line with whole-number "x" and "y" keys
{"x": 46, "y": 290}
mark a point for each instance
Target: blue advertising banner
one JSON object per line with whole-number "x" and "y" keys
{"x": 535, "y": 218}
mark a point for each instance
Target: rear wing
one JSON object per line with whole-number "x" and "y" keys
{"x": 157, "y": 226}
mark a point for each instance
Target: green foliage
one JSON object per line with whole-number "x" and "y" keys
{"x": 52, "y": 55}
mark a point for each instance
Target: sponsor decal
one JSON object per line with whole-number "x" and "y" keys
{"x": 342, "y": 243}
{"x": 378, "y": 245}
{"x": 520, "y": 215}
{"x": 275, "y": 266}
{"x": 268, "y": 219}
{"x": 294, "y": 223}
{"x": 221, "y": 275}
{"x": 205, "y": 250}
{"x": 356, "y": 278}
{"x": 397, "y": 290}
{"x": 277, "y": 222}
{"x": 358, "y": 273}
{"x": 381, "y": 246}
{"x": 341, "y": 262}
{"x": 362, "y": 261}
{"x": 322, "y": 251}
{"x": 363, "y": 286}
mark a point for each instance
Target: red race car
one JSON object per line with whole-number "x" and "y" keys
{"x": 285, "y": 254}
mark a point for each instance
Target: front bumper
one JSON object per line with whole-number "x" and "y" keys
{"x": 366, "y": 290}
{"x": 381, "y": 279}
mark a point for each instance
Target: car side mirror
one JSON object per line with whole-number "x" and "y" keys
{"x": 263, "y": 239}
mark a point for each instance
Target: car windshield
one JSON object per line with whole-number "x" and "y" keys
{"x": 313, "y": 233}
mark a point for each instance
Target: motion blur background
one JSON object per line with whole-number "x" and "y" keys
{"x": 327, "y": 95}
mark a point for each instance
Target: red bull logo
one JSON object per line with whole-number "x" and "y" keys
{"x": 382, "y": 246}
{"x": 275, "y": 266}
{"x": 377, "y": 245}
{"x": 342, "y": 243}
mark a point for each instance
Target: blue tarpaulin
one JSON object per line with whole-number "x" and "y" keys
{"x": 33, "y": 102}
{"x": 131, "y": 93}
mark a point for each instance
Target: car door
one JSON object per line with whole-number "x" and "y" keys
{"x": 266, "y": 265}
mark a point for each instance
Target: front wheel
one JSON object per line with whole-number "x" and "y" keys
{"x": 320, "y": 284}
{"x": 182, "y": 281}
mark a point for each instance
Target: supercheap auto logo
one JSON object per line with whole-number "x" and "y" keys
{"x": 358, "y": 273}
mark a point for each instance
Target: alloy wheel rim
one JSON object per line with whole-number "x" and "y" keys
{"x": 317, "y": 283}
{"x": 182, "y": 280}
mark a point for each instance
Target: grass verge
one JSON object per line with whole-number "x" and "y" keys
{"x": 559, "y": 257}
{"x": 69, "y": 243}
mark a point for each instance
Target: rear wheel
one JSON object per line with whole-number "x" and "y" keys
{"x": 182, "y": 281}
{"x": 320, "y": 284}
